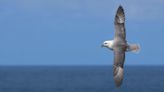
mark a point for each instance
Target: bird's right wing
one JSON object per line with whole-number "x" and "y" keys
{"x": 119, "y": 24}
{"x": 119, "y": 57}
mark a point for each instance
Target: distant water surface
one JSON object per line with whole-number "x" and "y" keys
{"x": 79, "y": 79}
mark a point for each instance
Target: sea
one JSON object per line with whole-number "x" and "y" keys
{"x": 80, "y": 79}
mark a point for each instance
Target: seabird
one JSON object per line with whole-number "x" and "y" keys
{"x": 119, "y": 46}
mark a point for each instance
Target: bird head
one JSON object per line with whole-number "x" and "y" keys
{"x": 108, "y": 44}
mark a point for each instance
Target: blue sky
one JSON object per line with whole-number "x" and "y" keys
{"x": 70, "y": 32}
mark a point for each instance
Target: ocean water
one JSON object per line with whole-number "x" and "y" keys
{"x": 79, "y": 79}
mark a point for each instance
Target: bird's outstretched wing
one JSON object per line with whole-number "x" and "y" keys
{"x": 119, "y": 57}
{"x": 119, "y": 24}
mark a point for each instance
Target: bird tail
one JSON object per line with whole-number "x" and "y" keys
{"x": 118, "y": 75}
{"x": 133, "y": 48}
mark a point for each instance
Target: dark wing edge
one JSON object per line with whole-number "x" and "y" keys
{"x": 119, "y": 23}
{"x": 119, "y": 58}
{"x": 120, "y": 16}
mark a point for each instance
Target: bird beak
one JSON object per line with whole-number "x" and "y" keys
{"x": 102, "y": 46}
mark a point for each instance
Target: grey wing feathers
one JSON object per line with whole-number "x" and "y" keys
{"x": 119, "y": 57}
{"x": 119, "y": 23}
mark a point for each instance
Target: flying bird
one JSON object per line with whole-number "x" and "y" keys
{"x": 119, "y": 46}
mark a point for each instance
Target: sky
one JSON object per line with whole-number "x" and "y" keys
{"x": 70, "y": 32}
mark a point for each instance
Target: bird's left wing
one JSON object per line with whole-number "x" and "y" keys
{"x": 119, "y": 57}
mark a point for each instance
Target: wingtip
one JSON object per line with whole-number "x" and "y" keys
{"x": 118, "y": 84}
{"x": 120, "y": 7}
{"x": 120, "y": 16}
{"x": 118, "y": 77}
